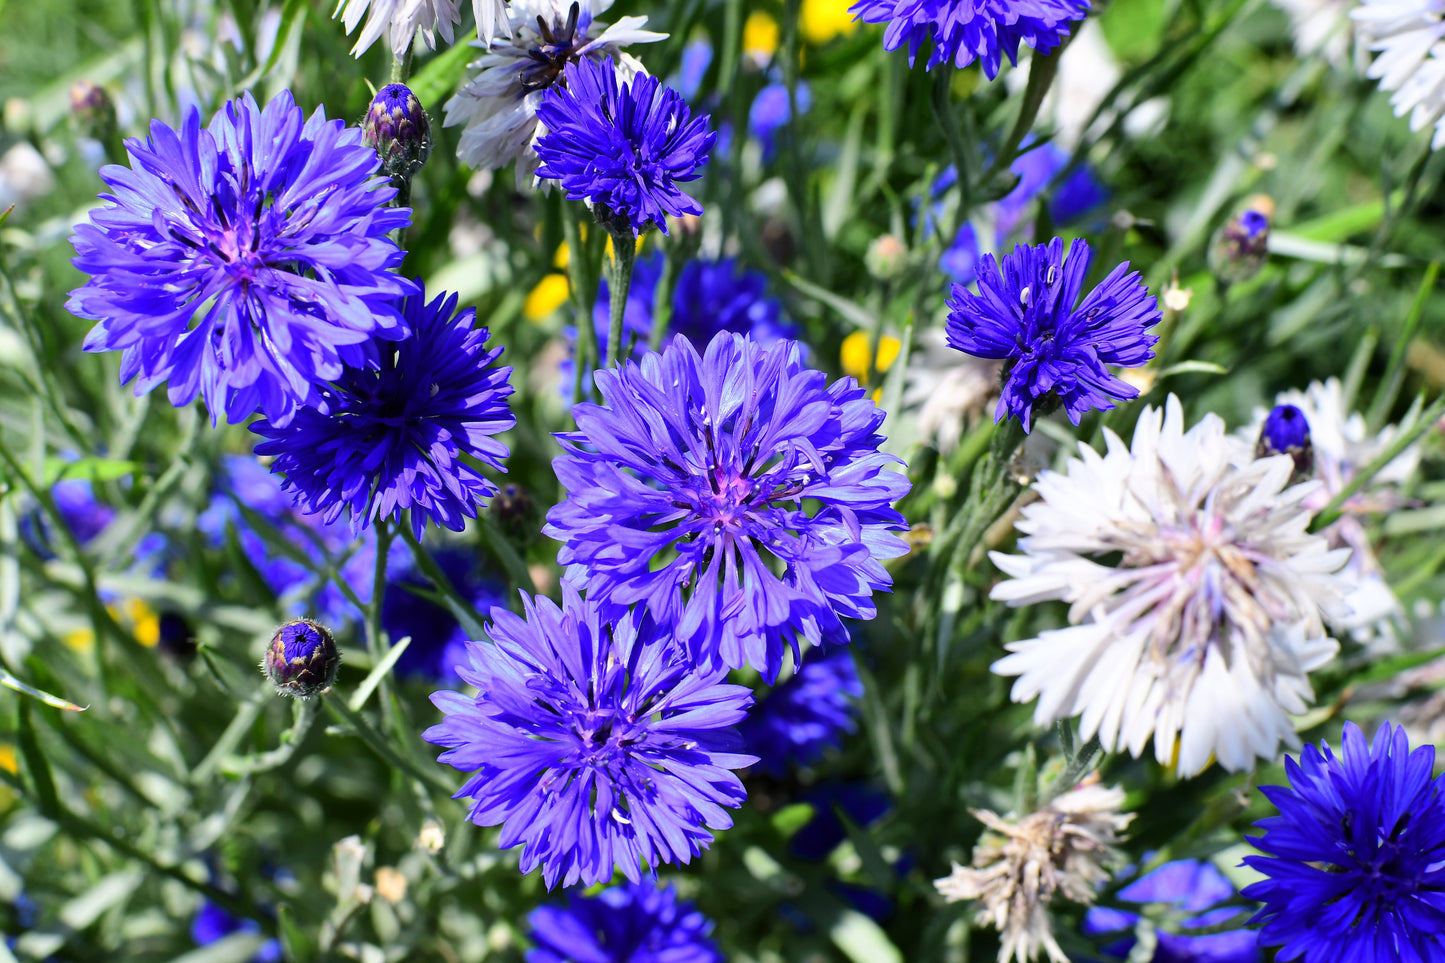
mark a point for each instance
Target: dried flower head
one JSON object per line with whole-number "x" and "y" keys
{"x": 1019, "y": 866}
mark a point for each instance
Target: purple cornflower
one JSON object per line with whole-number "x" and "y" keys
{"x": 624, "y": 147}
{"x": 247, "y": 262}
{"x": 1356, "y": 856}
{"x": 594, "y": 740}
{"x": 963, "y": 31}
{"x": 807, "y": 715}
{"x": 632, "y": 923}
{"x": 1193, "y": 887}
{"x": 699, "y": 474}
{"x": 403, "y": 436}
{"x": 1025, "y": 314}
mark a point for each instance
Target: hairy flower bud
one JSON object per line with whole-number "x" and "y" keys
{"x": 1286, "y": 431}
{"x": 397, "y": 128}
{"x": 92, "y": 110}
{"x": 301, "y": 659}
{"x": 1242, "y": 245}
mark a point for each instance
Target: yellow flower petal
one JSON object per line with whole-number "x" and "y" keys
{"x": 854, "y": 354}
{"x": 8, "y": 762}
{"x": 549, "y": 295}
{"x": 80, "y": 640}
{"x": 760, "y": 36}
{"x": 822, "y": 20}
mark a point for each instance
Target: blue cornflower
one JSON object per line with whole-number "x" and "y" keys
{"x": 1193, "y": 887}
{"x": 403, "y": 436}
{"x": 438, "y": 641}
{"x": 624, "y": 147}
{"x": 632, "y": 923}
{"x": 699, "y": 474}
{"x": 1026, "y": 315}
{"x": 595, "y": 741}
{"x": 707, "y": 297}
{"x": 1078, "y": 194}
{"x": 962, "y": 31}
{"x": 1286, "y": 431}
{"x": 806, "y": 715}
{"x": 1356, "y": 856}
{"x": 247, "y": 262}
{"x": 213, "y": 923}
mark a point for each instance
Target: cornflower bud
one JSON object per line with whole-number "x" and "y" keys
{"x": 93, "y": 110}
{"x": 1286, "y": 431}
{"x": 301, "y": 660}
{"x": 1242, "y": 245}
{"x": 397, "y": 128}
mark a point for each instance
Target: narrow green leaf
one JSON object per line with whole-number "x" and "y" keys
{"x": 35, "y": 762}
{"x": 862, "y": 940}
{"x": 378, "y": 672}
{"x": 10, "y": 682}
{"x": 440, "y": 75}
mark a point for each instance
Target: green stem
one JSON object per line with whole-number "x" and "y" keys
{"x": 619, "y": 281}
{"x": 431, "y": 570}
{"x": 583, "y": 290}
{"x": 338, "y": 707}
{"x": 401, "y": 67}
{"x": 942, "y": 105}
{"x": 1042, "y": 69}
{"x": 291, "y": 739}
{"x": 1424, "y": 423}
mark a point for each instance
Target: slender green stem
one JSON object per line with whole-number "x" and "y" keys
{"x": 1424, "y": 423}
{"x": 385, "y": 532}
{"x": 431, "y": 570}
{"x": 619, "y": 281}
{"x": 942, "y": 105}
{"x": 338, "y": 707}
{"x": 583, "y": 289}
{"x": 1042, "y": 70}
{"x": 291, "y": 739}
{"x": 1079, "y": 765}
{"x": 401, "y": 67}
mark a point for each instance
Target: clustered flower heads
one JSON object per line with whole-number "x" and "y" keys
{"x": 394, "y": 438}
{"x": 1355, "y": 860}
{"x": 247, "y": 261}
{"x": 497, "y": 108}
{"x": 622, "y": 146}
{"x": 1203, "y": 631}
{"x": 594, "y": 740}
{"x": 1020, "y": 866}
{"x": 1028, "y": 314}
{"x": 698, "y": 472}
{"x": 962, "y": 31}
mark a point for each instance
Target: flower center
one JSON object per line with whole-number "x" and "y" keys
{"x": 602, "y": 735}
{"x": 559, "y": 45}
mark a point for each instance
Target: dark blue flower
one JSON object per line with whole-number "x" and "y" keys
{"x": 807, "y": 715}
{"x": 1190, "y": 886}
{"x": 699, "y": 474}
{"x": 696, "y": 59}
{"x": 594, "y": 740}
{"x": 1028, "y": 315}
{"x": 1356, "y": 856}
{"x": 633, "y": 923}
{"x": 622, "y": 146}
{"x": 403, "y": 436}
{"x": 83, "y": 513}
{"x": 248, "y": 262}
{"x": 212, "y": 923}
{"x": 1286, "y": 431}
{"x": 963, "y": 31}
{"x": 298, "y": 575}
{"x": 438, "y": 641}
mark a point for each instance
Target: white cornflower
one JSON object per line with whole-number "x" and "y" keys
{"x": 1195, "y": 591}
{"x": 498, "y": 106}
{"x": 946, "y": 389}
{"x": 1020, "y": 866}
{"x": 1341, "y": 446}
{"x": 402, "y": 20}
{"x": 1407, "y": 37}
{"x": 1319, "y": 26}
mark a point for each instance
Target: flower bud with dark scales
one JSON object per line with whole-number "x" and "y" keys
{"x": 301, "y": 660}
{"x": 1241, "y": 247}
{"x": 397, "y": 127}
{"x": 1286, "y": 431}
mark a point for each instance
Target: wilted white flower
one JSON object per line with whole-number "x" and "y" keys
{"x": 1195, "y": 590}
{"x": 946, "y": 388}
{"x": 1410, "y": 57}
{"x": 1342, "y": 445}
{"x": 498, "y": 106}
{"x": 402, "y": 20}
{"x": 1019, "y": 866}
